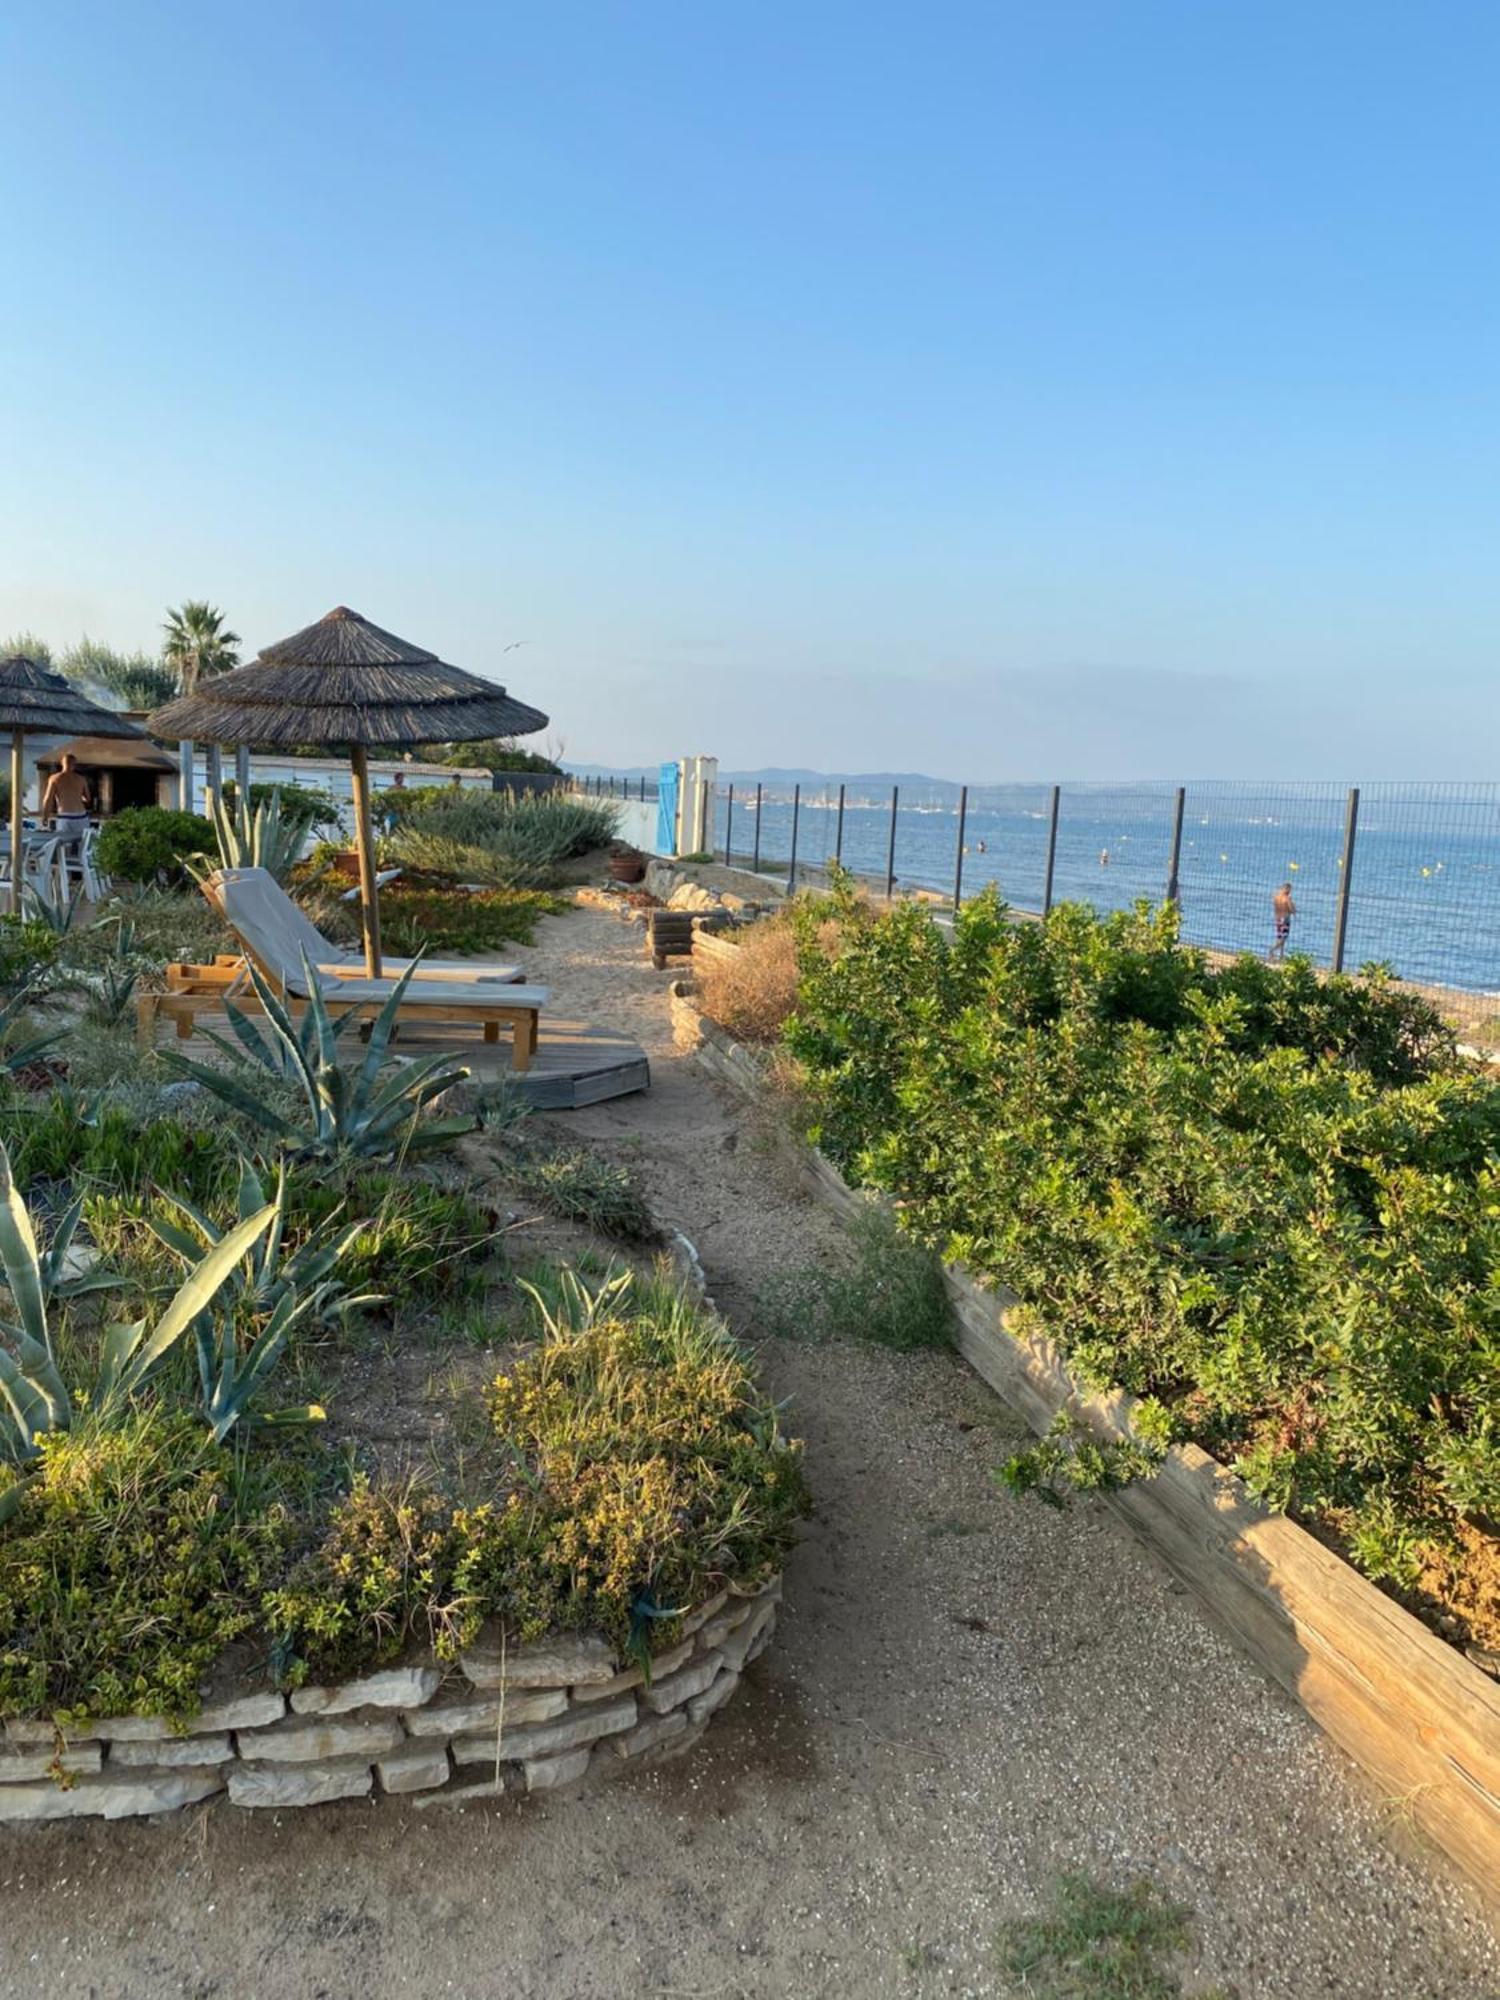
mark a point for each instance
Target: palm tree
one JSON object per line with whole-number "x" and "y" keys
{"x": 197, "y": 643}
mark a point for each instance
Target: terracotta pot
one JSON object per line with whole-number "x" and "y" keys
{"x": 346, "y": 862}
{"x": 627, "y": 867}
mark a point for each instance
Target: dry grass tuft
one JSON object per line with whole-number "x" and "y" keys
{"x": 751, "y": 990}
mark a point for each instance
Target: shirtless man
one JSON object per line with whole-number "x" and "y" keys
{"x": 67, "y": 799}
{"x": 1284, "y": 909}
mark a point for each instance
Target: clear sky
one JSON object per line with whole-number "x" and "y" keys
{"x": 1047, "y": 390}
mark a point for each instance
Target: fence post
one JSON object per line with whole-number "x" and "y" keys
{"x": 755, "y": 856}
{"x": 1174, "y": 866}
{"x": 958, "y": 859}
{"x": 729, "y": 830}
{"x": 1051, "y": 850}
{"x": 890, "y": 852}
{"x": 1341, "y": 922}
{"x": 791, "y": 873}
{"x": 838, "y": 831}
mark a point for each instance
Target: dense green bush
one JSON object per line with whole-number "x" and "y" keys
{"x": 152, "y": 844}
{"x": 490, "y": 753}
{"x": 1264, "y": 1200}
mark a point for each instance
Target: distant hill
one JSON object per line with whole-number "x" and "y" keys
{"x": 780, "y": 778}
{"x": 865, "y": 781}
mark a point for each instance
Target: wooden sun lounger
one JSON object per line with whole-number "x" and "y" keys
{"x": 192, "y": 990}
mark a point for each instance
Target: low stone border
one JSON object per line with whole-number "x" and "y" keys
{"x": 506, "y": 1720}
{"x": 1410, "y": 1709}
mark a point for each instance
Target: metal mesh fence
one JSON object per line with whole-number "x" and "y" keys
{"x": 1423, "y": 892}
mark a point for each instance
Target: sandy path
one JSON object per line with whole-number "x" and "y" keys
{"x": 966, "y": 1695}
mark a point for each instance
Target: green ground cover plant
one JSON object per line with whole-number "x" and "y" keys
{"x": 636, "y": 1467}
{"x": 1098, "y": 1944}
{"x": 1262, "y": 1200}
{"x": 85, "y": 1140}
{"x": 580, "y": 1184}
{"x": 432, "y": 918}
{"x": 889, "y": 1292}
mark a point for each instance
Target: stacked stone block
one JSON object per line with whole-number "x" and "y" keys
{"x": 508, "y": 1720}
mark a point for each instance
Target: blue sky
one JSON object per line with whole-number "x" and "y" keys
{"x": 1005, "y": 391}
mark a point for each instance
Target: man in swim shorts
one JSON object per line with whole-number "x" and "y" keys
{"x": 1284, "y": 909}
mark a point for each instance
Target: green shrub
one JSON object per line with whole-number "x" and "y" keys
{"x": 301, "y": 805}
{"x": 152, "y": 844}
{"x": 491, "y": 753}
{"x": 131, "y": 1563}
{"x": 375, "y": 1582}
{"x": 1262, "y": 1199}
{"x": 27, "y": 951}
{"x": 890, "y": 1294}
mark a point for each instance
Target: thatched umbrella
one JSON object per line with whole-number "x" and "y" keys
{"x": 34, "y": 701}
{"x": 345, "y": 684}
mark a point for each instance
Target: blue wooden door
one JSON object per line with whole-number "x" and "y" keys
{"x": 666, "y": 810}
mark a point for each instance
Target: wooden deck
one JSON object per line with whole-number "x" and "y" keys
{"x": 575, "y": 1063}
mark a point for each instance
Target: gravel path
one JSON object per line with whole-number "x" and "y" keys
{"x": 966, "y": 1695}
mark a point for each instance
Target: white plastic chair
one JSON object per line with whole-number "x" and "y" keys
{"x": 76, "y": 867}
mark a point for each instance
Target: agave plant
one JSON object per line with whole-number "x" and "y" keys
{"x": 280, "y": 1289}
{"x": 17, "y": 1056}
{"x": 350, "y": 1113}
{"x": 270, "y": 1271}
{"x": 110, "y": 986}
{"x": 256, "y": 838}
{"x": 34, "y": 1398}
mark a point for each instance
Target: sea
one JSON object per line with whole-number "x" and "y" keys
{"x": 1423, "y": 888}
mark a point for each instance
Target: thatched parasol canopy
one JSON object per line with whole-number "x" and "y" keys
{"x": 344, "y": 681}
{"x": 34, "y": 701}
{"x": 346, "y": 684}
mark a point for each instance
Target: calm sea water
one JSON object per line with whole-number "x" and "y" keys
{"x": 1424, "y": 886}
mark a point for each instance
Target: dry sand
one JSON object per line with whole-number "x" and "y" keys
{"x": 966, "y": 1695}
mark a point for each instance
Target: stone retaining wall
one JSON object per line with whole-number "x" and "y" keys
{"x": 519, "y": 1719}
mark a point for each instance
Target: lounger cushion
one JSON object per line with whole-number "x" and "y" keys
{"x": 281, "y": 936}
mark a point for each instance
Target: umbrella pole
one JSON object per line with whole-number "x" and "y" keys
{"x": 17, "y": 820}
{"x": 364, "y": 839}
